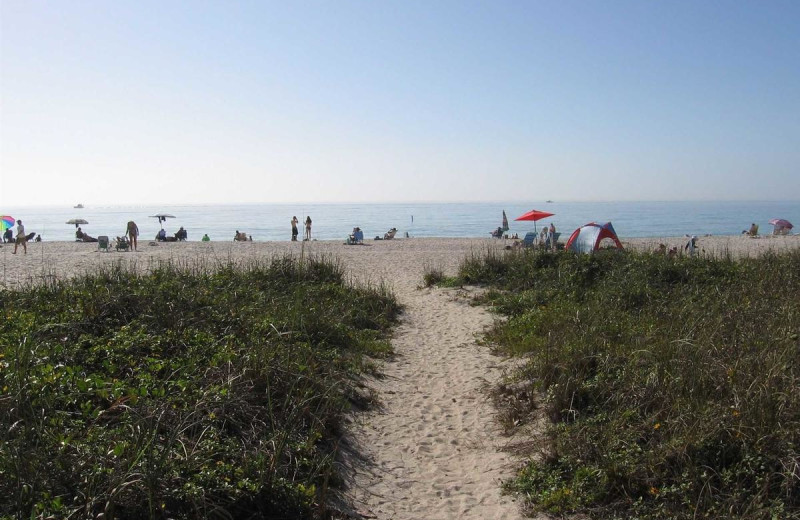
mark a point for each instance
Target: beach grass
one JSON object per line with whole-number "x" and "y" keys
{"x": 671, "y": 385}
{"x": 194, "y": 390}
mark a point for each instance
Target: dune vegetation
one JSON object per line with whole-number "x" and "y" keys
{"x": 192, "y": 391}
{"x": 670, "y": 386}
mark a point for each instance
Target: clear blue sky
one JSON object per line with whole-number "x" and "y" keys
{"x": 369, "y": 101}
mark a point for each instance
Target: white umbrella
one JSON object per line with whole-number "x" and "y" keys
{"x": 77, "y": 222}
{"x": 162, "y": 217}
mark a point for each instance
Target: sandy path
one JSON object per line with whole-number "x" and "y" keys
{"x": 434, "y": 442}
{"x": 434, "y": 447}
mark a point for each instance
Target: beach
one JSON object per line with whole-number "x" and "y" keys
{"x": 398, "y": 263}
{"x": 432, "y": 447}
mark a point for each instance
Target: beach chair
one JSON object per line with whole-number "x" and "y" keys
{"x": 529, "y": 239}
{"x": 390, "y": 234}
{"x": 102, "y": 243}
{"x": 122, "y": 244}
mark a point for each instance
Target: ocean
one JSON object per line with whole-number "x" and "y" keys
{"x": 336, "y": 221}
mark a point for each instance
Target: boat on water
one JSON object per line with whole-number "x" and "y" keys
{"x": 78, "y": 206}
{"x": 549, "y": 201}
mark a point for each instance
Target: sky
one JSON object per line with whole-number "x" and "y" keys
{"x": 410, "y": 101}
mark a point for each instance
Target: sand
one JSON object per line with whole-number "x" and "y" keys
{"x": 432, "y": 448}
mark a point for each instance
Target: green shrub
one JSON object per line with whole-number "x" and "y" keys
{"x": 189, "y": 392}
{"x": 673, "y": 384}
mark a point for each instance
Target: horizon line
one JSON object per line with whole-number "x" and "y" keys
{"x": 400, "y": 202}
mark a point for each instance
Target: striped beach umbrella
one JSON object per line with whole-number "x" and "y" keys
{"x": 6, "y": 221}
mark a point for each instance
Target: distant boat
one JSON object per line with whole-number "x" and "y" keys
{"x": 549, "y": 201}
{"x": 79, "y": 206}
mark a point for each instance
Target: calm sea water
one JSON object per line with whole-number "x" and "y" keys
{"x": 336, "y": 221}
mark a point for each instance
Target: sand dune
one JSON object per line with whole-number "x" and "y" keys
{"x": 433, "y": 448}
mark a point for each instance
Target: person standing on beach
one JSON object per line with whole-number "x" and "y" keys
{"x": 133, "y": 233}
{"x": 691, "y": 245}
{"x": 21, "y": 238}
{"x": 294, "y": 228}
{"x": 308, "y": 227}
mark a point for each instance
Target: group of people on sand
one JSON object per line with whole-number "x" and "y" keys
{"x": 780, "y": 228}
{"x": 662, "y": 250}
{"x": 131, "y": 235}
{"x": 690, "y": 248}
{"x": 179, "y": 236}
{"x": 547, "y": 234}
{"x": 241, "y": 237}
{"x": 295, "y": 231}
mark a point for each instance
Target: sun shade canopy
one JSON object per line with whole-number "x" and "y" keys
{"x": 586, "y": 239}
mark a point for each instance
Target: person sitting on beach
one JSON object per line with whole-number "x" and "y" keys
{"x": 38, "y": 238}
{"x": 390, "y": 234}
{"x": 205, "y": 238}
{"x": 161, "y": 236}
{"x": 753, "y": 231}
{"x": 181, "y": 235}
{"x": 661, "y": 249}
{"x": 673, "y": 252}
{"x": 79, "y": 234}
{"x": 356, "y": 237}
{"x": 8, "y": 236}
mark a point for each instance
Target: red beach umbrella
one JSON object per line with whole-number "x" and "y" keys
{"x": 535, "y": 215}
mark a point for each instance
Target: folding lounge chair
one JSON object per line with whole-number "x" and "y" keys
{"x": 529, "y": 239}
{"x": 102, "y": 243}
